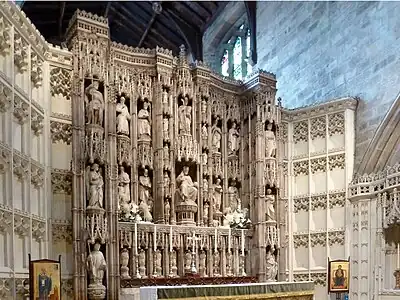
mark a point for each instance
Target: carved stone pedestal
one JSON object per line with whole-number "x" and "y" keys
{"x": 96, "y": 292}
{"x": 397, "y": 276}
{"x": 185, "y": 211}
{"x": 96, "y": 224}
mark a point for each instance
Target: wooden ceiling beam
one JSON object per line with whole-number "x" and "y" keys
{"x": 60, "y": 19}
{"x": 251, "y": 9}
{"x": 192, "y": 15}
{"x": 198, "y": 6}
{"x": 215, "y": 15}
{"x": 153, "y": 18}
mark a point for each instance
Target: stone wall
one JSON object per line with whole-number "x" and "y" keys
{"x": 323, "y": 50}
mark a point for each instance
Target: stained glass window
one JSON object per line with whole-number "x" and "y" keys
{"x": 225, "y": 64}
{"x": 248, "y": 54}
{"x": 237, "y": 59}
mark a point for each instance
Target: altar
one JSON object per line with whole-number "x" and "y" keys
{"x": 259, "y": 291}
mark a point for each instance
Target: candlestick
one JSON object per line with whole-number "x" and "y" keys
{"x": 170, "y": 238}
{"x": 242, "y": 241}
{"x": 398, "y": 256}
{"x": 215, "y": 240}
{"x": 155, "y": 237}
{"x": 229, "y": 240}
{"x": 136, "y": 239}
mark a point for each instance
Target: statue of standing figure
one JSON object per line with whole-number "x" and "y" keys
{"x": 94, "y": 101}
{"x": 144, "y": 196}
{"x": 124, "y": 194}
{"x": 271, "y": 265}
{"x": 123, "y": 117}
{"x": 216, "y": 139}
{"x": 233, "y": 195}
{"x": 233, "y": 139}
{"x": 95, "y": 186}
{"x": 270, "y": 206}
{"x": 96, "y": 266}
{"x": 217, "y": 195}
{"x": 124, "y": 261}
{"x": 144, "y": 118}
{"x": 185, "y": 117}
{"x": 270, "y": 142}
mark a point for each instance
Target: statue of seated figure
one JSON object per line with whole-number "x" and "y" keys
{"x": 187, "y": 189}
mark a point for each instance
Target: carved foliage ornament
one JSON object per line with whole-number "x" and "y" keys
{"x": 5, "y": 97}
{"x": 62, "y": 232}
{"x": 5, "y": 158}
{"x": 21, "y": 58}
{"x": 300, "y": 167}
{"x": 38, "y": 229}
{"x": 301, "y": 204}
{"x": 61, "y": 181}
{"x": 21, "y": 225}
{"x": 337, "y": 199}
{"x": 37, "y": 175}
{"x": 60, "y": 82}
{"x": 336, "y": 237}
{"x": 300, "y": 240}
{"x": 300, "y": 132}
{"x": 318, "y": 126}
{"x": 336, "y": 161}
{"x": 36, "y": 70}
{"x": 61, "y": 132}
{"x": 21, "y": 110}
{"x": 20, "y": 165}
{"x": 5, "y": 219}
{"x": 318, "y": 165}
{"x": 6, "y": 287}
{"x": 318, "y": 202}
{"x": 36, "y": 122}
{"x": 5, "y": 36}
{"x": 336, "y": 123}
{"x": 319, "y": 278}
{"x": 318, "y": 238}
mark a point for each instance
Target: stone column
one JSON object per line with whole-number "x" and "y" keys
{"x": 157, "y": 134}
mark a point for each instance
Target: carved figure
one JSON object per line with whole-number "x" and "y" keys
{"x": 233, "y": 139}
{"x": 158, "y": 263}
{"x": 271, "y": 265}
{"x": 270, "y": 142}
{"x": 233, "y": 194}
{"x": 94, "y": 104}
{"x": 204, "y": 132}
{"x": 217, "y": 195}
{"x": 166, "y": 129}
{"x": 124, "y": 261}
{"x": 165, "y": 102}
{"x": 202, "y": 264}
{"x": 185, "y": 117}
{"x": 167, "y": 182}
{"x": 216, "y": 139}
{"x": 123, "y": 117}
{"x": 204, "y": 110}
{"x": 187, "y": 188}
{"x": 166, "y": 157}
{"x": 96, "y": 266}
{"x": 123, "y": 187}
{"x": 216, "y": 263}
{"x": 144, "y": 118}
{"x": 144, "y": 196}
{"x": 270, "y": 209}
{"x": 205, "y": 212}
{"x": 205, "y": 158}
{"x": 142, "y": 263}
{"x": 95, "y": 187}
{"x": 188, "y": 261}
{"x": 167, "y": 209}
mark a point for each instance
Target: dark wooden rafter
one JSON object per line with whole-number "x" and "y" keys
{"x": 192, "y": 38}
{"x": 60, "y": 20}
{"x": 153, "y": 18}
{"x": 215, "y": 15}
{"x": 197, "y": 9}
{"x": 107, "y": 9}
{"x": 187, "y": 11}
{"x": 251, "y": 9}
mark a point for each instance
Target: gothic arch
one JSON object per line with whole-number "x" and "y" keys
{"x": 384, "y": 148}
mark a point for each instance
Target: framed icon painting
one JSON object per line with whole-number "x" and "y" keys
{"x": 45, "y": 279}
{"x": 338, "y": 276}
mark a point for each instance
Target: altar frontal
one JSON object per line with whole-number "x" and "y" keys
{"x": 259, "y": 291}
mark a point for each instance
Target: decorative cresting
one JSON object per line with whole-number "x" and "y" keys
{"x": 170, "y": 163}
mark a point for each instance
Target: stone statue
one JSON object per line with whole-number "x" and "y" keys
{"x": 144, "y": 196}
{"x": 204, "y": 110}
{"x": 167, "y": 182}
{"x": 188, "y": 261}
{"x": 217, "y": 195}
{"x": 216, "y": 263}
{"x": 271, "y": 265}
{"x": 165, "y": 102}
{"x": 96, "y": 266}
{"x": 124, "y": 194}
{"x": 204, "y": 132}
{"x": 143, "y": 123}
{"x": 174, "y": 268}
{"x": 94, "y": 101}
{"x": 233, "y": 139}
{"x": 270, "y": 209}
{"x": 270, "y": 142}
{"x": 185, "y": 117}
{"x": 216, "y": 139}
{"x": 95, "y": 187}
{"x": 167, "y": 211}
{"x": 166, "y": 129}
{"x": 205, "y": 212}
{"x": 187, "y": 188}
{"x": 233, "y": 195}
{"x": 166, "y": 157}
{"x": 158, "y": 263}
{"x": 124, "y": 261}
{"x": 205, "y": 185}
{"x": 142, "y": 263}
{"x": 205, "y": 158}
{"x": 123, "y": 117}
{"x": 202, "y": 264}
